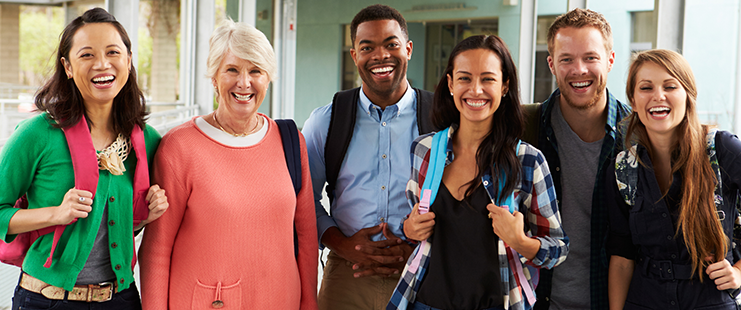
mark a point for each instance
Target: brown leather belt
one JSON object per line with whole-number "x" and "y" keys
{"x": 92, "y": 292}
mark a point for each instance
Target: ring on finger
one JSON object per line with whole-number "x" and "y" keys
{"x": 82, "y": 199}
{"x": 489, "y": 215}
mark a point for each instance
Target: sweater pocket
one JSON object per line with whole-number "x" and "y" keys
{"x": 219, "y": 296}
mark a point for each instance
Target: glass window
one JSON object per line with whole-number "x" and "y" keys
{"x": 643, "y": 32}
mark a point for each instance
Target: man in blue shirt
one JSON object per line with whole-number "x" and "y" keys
{"x": 363, "y": 229}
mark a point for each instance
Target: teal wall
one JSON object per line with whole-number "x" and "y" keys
{"x": 711, "y": 47}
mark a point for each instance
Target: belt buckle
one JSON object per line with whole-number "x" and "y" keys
{"x": 100, "y": 288}
{"x": 665, "y": 270}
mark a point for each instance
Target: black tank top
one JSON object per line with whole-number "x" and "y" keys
{"x": 464, "y": 266}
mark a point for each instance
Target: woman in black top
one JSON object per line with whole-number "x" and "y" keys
{"x": 670, "y": 219}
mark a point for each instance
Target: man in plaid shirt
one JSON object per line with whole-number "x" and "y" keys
{"x": 578, "y": 134}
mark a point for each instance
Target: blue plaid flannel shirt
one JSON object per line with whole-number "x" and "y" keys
{"x": 535, "y": 196}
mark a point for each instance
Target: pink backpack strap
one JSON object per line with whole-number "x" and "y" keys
{"x": 141, "y": 176}
{"x": 85, "y": 165}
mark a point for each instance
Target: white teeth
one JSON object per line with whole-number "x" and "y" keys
{"x": 659, "y": 109}
{"x": 382, "y": 70}
{"x": 103, "y": 79}
{"x": 242, "y": 97}
{"x": 581, "y": 84}
{"x": 476, "y": 103}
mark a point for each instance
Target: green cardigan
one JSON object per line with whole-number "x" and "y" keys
{"x": 36, "y": 161}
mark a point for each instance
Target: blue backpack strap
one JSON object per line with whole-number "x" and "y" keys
{"x": 292, "y": 151}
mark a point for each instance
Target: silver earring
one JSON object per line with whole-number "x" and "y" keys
{"x": 451, "y": 94}
{"x": 505, "y": 95}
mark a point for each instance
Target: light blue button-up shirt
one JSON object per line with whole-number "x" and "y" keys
{"x": 373, "y": 177}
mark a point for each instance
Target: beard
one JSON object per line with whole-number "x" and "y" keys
{"x": 572, "y": 102}
{"x": 388, "y": 87}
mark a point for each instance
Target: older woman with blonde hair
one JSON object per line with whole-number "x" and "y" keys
{"x": 227, "y": 241}
{"x": 672, "y": 197}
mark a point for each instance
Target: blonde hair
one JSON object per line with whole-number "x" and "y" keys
{"x": 701, "y": 229}
{"x": 580, "y": 18}
{"x": 245, "y": 42}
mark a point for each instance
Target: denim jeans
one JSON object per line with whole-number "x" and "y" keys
{"x": 127, "y": 299}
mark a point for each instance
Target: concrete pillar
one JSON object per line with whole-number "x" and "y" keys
{"x": 669, "y": 24}
{"x": 526, "y": 64}
{"x": 164, "y": 29}
{"x": 10, "y": 43}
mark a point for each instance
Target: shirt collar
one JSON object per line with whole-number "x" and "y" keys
{"x": 406, "y": 101}
{"x": 612, "y": 110}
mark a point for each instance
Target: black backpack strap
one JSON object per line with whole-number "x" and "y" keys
{"x": 339, "y": 134}
{"x": 292, "y": 151}
{"x": 424, "y": 107}
{"x": 531, "y": 111}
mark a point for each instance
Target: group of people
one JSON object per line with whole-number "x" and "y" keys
{"x": 645, "y": 193}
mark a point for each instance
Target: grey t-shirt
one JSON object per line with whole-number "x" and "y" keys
{"x": 579, "y": 164}
{"x": 98, "y": 265}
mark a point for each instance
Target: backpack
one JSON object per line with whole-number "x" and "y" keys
{"x": 85, "y": 166}
{"x": 531, "y": 111}
{"x": 292, "y": 151}
{"x": 342, "y": 125}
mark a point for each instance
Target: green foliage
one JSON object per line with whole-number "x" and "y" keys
{"x": 39, "y": 37}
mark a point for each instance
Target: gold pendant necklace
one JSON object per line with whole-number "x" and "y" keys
{"x": 236, "y": 134}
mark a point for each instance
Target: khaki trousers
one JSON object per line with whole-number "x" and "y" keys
{"x": 341, "y": 291}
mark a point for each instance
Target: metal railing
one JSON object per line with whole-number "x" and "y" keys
{"x": 13, "y": 111}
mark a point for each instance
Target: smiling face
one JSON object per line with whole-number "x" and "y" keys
{"x": 240, "y": 86}
{"x": 477, "y": 85}
{"x": 98, "y": 62}
{"x": 580, "y": 64}
{"x": 381, "y": 52}
{"x": 660, "y": 100}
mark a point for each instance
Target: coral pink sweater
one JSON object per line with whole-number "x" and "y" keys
{"x": 228, "y": 233}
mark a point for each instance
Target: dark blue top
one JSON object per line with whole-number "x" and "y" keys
{"x": 647, "y": 233}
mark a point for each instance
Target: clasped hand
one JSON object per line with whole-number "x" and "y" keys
{"x": 384, "y": 257}
{"x": 78, "y": 203}
{"x": 724, "y": 275}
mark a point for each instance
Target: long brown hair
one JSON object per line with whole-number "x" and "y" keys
{"x": 701, "y": 229}
{"x": 62, "y": 100}
{"x": 498, "y": 146}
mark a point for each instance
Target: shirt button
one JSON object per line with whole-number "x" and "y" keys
{"x": 114, "y": 245}
{"x": 558, "y": 201}
{"x": 111, "y": 222}
{"x": 383, "y": 124}
{"x": 663, "y": 214}
{"x": 383, "y": 156}
{"x": 217, "y": 304}
{"x": 668, "y": 237}
{"x": 558, "y": 168}
{"x": 122, "y": 281}
{"x": 383, "y": 188}
{"x": 118, "y": 267}
{"x": 382, "y": 219}
{"x": 673, "y": 303}
{"x": 674, "y": 256}
{"x": 112, "y": 199}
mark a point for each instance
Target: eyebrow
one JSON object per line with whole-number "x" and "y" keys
{"x": 385, "y": 40}
{"x": 482, "y": 73}
{"x": 88, "y": 47}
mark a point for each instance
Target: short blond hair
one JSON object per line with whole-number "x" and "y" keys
{"x": 580, "y": 18}
{"x": 245, "y": 42}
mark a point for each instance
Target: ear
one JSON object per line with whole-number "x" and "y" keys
{"x": 505, "y": 87}
{"x": 67, "y": 67}
{"x": 409, "y": 50}
{"x": 450, "y": 83}
{"x": 550, "y": 64}
{"x": 354, "y": 55}
{"x": 128, "y": 63}
{"x": 610, "y": 60}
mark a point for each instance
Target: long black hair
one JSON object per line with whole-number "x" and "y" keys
{"x": 496, "y": 154}
{"x": 62, "y": 100}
